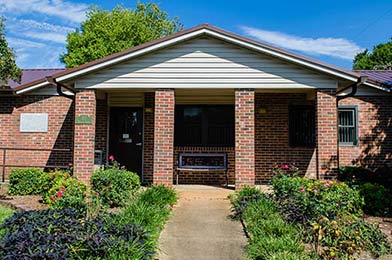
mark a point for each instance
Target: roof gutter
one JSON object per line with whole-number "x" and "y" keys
{"x": 354, "y": 87}
{"x": 52, "y": 81}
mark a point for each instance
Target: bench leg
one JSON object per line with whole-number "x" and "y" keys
{"x": 227, "y": 179}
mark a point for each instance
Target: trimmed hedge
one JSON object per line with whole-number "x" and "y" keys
{"x": 27, "y": 181}
{"x": 115, "y": 186}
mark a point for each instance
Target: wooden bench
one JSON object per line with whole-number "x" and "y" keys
{"x": 201, "y": 166}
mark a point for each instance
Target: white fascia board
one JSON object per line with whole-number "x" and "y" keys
{"x": 377, "y": 87}
{"x": 39, "y": 85}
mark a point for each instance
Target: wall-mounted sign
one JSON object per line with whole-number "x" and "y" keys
{"x": 33, "y": 122}
{"x": 83, "y": 120}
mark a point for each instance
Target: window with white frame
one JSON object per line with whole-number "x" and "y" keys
{"x": 348, "y": 125}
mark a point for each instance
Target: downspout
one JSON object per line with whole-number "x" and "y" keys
{"x": 354, "y": 87}
{"x": 59, "y": 87}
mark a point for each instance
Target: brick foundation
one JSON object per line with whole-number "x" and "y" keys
{"x": 84, "y": 134}
{"x": 163, "y": 136}
{"x": 244, "y": 138}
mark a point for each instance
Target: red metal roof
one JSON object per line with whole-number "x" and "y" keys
{"x": 382, "y": 76}
{"x": 29, "y": 75}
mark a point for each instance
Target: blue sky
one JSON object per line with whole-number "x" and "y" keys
{"x": 331, "y": 31}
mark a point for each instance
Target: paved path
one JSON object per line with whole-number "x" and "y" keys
{"x": 200, "y": 227}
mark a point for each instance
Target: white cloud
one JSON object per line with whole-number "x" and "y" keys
{"x": 28, "y": 24}
{"x": 47, "y": 36}
{"x": 25, "y": 44}
{"x": 74, "y": 12}
{"x": 334, "y": 47}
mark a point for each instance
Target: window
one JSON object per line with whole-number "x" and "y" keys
{"x": 348, "y": 125}
{"x": 204, "y": 126}
{"x": 302, "y": 126}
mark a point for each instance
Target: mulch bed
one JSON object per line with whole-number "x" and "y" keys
{"x": 29, "y": 202}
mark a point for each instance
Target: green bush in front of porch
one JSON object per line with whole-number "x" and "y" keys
{"x": 114, "y": 185}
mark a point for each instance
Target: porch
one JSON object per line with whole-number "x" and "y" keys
{"x": 148, "y": 131}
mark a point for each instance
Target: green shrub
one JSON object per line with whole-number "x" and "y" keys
{"x": 26, "y": 181}
{"x": 115, "y": 185}
{"x": 355, "y": 176}
{"x": 67, "y": 193}
{"x": 378, "y": 199}
{"x": 302, "y": 199}
{"x": 49, "y": 179}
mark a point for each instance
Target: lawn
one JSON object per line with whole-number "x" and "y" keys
{"x": 5, "y": 212}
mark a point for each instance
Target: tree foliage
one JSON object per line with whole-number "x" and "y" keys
{"x": 8, "y": 68}
{"x": 107, "y": 32}
{"x": 379, "y": 59}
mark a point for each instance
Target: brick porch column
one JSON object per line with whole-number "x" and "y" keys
{"x": 244, "y": 138}
{"x": 163, "y": 136}
{"x": 326, "y": 135}
{"x": 84, "y": 134}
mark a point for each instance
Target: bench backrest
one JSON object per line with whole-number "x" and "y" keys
{"x": 202, "y": 161}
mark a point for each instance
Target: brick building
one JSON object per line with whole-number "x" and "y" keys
{"x": 201, "y": 106}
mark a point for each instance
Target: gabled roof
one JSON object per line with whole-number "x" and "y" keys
{"x": 381, "y": 76}
{"x": 204, "y": 29}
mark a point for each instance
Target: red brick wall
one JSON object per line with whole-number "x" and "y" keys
{"x": 84, "y": 134}
{"x": 60, "y": 130}
{"x": 163, "y": 136}
{"x": 272, "y": 135}
{"x": 148, "y": 140}
{"x": 101, "y": 126}
{"x": 244, "y": 138}
{"x": 374, "y": 131}
{"x": 326, "y": 135}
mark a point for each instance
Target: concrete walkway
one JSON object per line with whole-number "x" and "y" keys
{"x": 200, "y": 227}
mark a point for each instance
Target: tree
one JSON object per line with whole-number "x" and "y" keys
{"x": 8, "y": 68}
{"x": 107, "y": 32}
{"x": 379, "y": 59}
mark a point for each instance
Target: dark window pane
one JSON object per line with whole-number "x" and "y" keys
{"x": 204, "y": 125}
{"x": 302, "y": 126}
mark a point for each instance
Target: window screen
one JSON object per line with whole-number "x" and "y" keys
{"x": 302, "y": 126}
{"x": 347, "y": 126}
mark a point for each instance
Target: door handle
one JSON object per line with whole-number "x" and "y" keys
{"x": 139, "y": 144}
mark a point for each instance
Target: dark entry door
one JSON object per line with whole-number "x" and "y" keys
{"x": 126, "y": 137}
